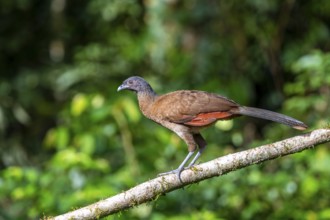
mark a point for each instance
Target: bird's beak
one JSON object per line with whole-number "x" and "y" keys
{"x": 121, "y": 87}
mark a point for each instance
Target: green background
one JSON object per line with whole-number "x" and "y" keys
{"x": 68, "y": 139}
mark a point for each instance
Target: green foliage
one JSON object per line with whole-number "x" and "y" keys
{"x": 68, "y": 139}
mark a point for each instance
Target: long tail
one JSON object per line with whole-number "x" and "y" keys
{"x": 272, "y": 116}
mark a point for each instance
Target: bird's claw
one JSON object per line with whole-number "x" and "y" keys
{"x": 176, "y": 171}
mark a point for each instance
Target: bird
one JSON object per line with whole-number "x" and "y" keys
{"x": 187, "y": 112}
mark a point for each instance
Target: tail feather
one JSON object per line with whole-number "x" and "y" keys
{"x": 272, "y": 116}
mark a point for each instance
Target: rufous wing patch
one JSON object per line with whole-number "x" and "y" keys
{"x": 204, "y": 119}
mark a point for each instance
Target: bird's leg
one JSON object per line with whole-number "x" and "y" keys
{"x": 201, "y": 144}
{"x": 180, "y": 168}
{"x": 191, "y": 142}
{"x": 199, "y": 153}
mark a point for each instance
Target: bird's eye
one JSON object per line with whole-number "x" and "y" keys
{"x": 130, "y": 82}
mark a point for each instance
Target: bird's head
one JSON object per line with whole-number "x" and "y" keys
{"x": 136, "y": 84}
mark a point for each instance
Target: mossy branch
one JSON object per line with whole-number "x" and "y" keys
{"x": 154, "y": 188}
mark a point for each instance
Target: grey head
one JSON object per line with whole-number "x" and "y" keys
{"x": 136, "y": 84}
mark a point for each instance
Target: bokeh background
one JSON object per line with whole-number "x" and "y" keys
{"x": 68, "y": 139}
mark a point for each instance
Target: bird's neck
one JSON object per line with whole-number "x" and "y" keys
{"x": 146, "y": 100}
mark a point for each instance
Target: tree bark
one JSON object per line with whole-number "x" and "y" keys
{"x": 154, "y": 188}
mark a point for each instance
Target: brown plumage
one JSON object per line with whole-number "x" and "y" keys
{"x": 186, "y": 112}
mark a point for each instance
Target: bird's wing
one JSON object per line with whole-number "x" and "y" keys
{"x": 191, "y": 107}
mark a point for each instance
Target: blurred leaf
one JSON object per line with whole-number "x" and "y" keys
{"x": 62, "y": 137}
{"x": 308, "y": 62}
{"x": 131, "y": 110}
{"x": 79, "y": 104}
{"x": 309, "y": 186}
{"x": 86, "y": 143}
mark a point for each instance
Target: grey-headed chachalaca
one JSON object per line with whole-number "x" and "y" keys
{"x": 186, "y": 112}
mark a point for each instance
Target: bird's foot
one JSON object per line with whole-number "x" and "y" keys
{"x": 177, "y": 171}
{"x": 191, "y": 165}
{"x": 171, "y": 172}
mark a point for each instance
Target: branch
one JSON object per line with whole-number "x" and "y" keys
{"x": 152, "y": 189}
